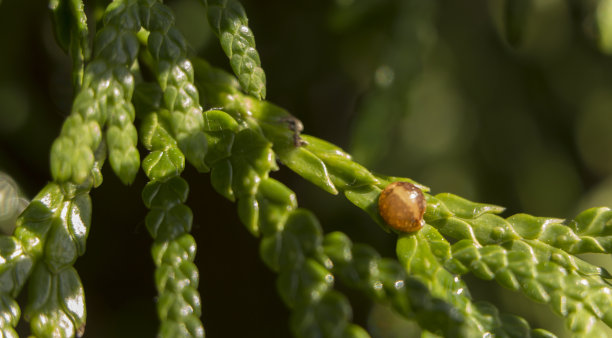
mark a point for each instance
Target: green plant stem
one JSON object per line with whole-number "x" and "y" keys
{"x": 52, "y": 231}
{"x": 580, "y": 299}
{"x": 169, "y": 221}
{"x": 291, "y": 242}
{"x": 333, "y": 170}
{"x": 176, "y": 276}
{"x": 421, "y": 255}
{"x": 104, "y": 97}
{"x": 174, "y": 74}
{"x": 383, "y": 279}
{"x": 228, "y": 20}
{"x": 72, "y": 34}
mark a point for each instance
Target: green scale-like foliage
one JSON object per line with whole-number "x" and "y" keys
{"x": 174, "y": 74}
{"x": 240, "y": 141}
{"x": 291, "y": 243}
{"x": 526, "y": 253}
{"x": 169, "y": 222}
{"x": 384, "y": 279}
{"x": 229, "y": 22}
{"x": 104, "y": 98}
{"x": 581, "y": 299}
{"x": 171, "y": 125}
{"x": 420, "y": 255}
{"x": 240, "y": 159}
{"x": 72, "y": 34}
{"x": 219, "y": 89}
{"x": 176, "y": 277}
{"x": 333, "y": 170}
{"x": 52, "y": 231}
{"x": 50, "y": 235}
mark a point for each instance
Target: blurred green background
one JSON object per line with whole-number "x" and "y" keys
{"x": 503, "y": 101}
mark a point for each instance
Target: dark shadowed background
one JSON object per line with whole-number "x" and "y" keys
{"x": 511, "y": 106}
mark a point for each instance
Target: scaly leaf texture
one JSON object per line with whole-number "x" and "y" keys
{"x": 240, "y": 159}
{"x": 169, "y": 221}
{"x": 50, "y": 234}
{"x": 548, "y": 239}
{"x": 333, "y": 170}
{"x": 383, "y": 279}
{"x": 229, "y": 22}
{"x": 72, "y": 34}
{"x": 533, "y": 247}
{"x": 104, "y": 97}
{"x": 422, "y": 255}
{"x": 291, "y": 243}
{"x": 53, "y": 229}
{"x": 15, "y": 266}
{"x": 174, "y": 74}
{"x": 580, "y": 299}
{"x": 176, "y": 276}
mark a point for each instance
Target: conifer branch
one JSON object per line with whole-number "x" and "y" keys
{"x": 332, "y": 169}
{"x": 228, "y": 20}
{"x": 169, "y": 221}
{"x": 72, "y": 34}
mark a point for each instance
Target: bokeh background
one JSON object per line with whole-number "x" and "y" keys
{"x": 503, "y": 101}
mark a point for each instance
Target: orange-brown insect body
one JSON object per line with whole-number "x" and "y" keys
{"x": 402, "y": 206}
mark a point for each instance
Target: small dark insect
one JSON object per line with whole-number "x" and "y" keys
{"x": 402, "y": 205}
{"x": 296, "y": 127}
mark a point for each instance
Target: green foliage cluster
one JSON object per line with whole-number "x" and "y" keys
{"x": 192, "y": 112}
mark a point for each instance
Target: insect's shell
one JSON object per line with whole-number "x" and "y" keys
{"x": 402, "y": 205}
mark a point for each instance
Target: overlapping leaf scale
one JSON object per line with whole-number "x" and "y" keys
{"x": 174, "y": 73}
{"x": 291, "y": 244}
{"x": 9, "y": 316}
{"x": 169, "y": 220}
{"x": 165, "y": 160}
{"x": 51, "y": 233}
{"x": 54, "y": 228}
{"x": 15, "y": 266}
{"x": 56, "y": 307}
{"x": 104, "y": 97}
{"x": 72, "y": 34}
{"x": 229, "y": 22}
{"x": 309, "y": 161}
{"x": 580, "y": 299}
{"x": 590, "y": 231}
{"x": 550, "y": 239}
{"x": 280, "y": 248}
{"x": 360, "y": 266}
{"x": 240, "y": 159}
{"x": 422, "y": 255}
{"x": 320, "y": 162}
{"x": 333, "y": 170}
{"x": 19, "y": 253}
{"x": 533, "y": 240}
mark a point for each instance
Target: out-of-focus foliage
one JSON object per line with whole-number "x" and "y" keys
{"x": 11, "y": 203}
